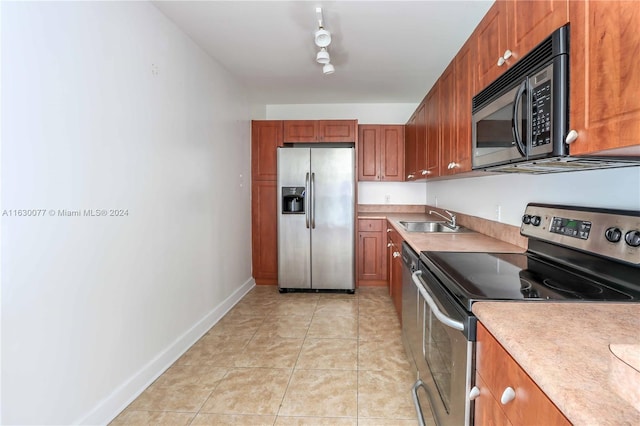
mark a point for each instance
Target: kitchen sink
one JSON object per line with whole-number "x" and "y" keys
{"x": 432, "y": 227}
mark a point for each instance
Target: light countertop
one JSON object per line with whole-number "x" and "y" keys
{"x": 420, "y": 241}
{"x": 564, "y": 347}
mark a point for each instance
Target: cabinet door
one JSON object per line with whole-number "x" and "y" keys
{"x": 370, "y": 256}
{"x": 410, "y": 164}
{"x": 264, "y": 236}
{"x": 530, "y": 22}
{"x": 499, "y": 370}
{"x": 491, "y": 39}
{"x": 396, "y": 265}
{"x": 300, "y": 131}
{"x": 433, "y": 133}
{"x": 368, "y": 152}
{"x": 464, "y": 92}
{"x": 605, "y": 80}
{"x": 421, "y": 140}
{"x": 337, "y": 130}
{"x": 266, "y": 136}
{"x": 447, "y": 111}
{"x": 392, "y": 153}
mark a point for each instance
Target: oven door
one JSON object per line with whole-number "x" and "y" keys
{"x": 499, "y": 129}
{"x": 447, "y": 351}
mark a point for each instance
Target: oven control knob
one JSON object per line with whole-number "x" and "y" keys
{"x": 613, "y": 235}
{"x": 526, "y": 219}
{"x": 535, "y": 220}
{"x": 633, "y": 238}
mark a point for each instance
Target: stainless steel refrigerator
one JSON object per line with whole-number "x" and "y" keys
{"x": 316, "y": 215}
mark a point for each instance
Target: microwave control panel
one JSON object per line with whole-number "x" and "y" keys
{"x": 541, "y": 111}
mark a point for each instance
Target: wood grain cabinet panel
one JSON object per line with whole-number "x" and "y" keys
{"x": 464, "y": 87}
{"x": 380, "y": 152}
{"x": 498, "y": 370}
{"x": 490, "y": 43}
{"x": 371, "y": 260}
{"x": 421, "y": 151}
{"x": 410, "y": 158}
{"x": 312, "y": 131}
{"x": 264, "y": 237}
{"x": 394, "y": 264}
{"x": 433, "y": 133}
{"x": 605, "y": 80}
{"x": 266, "y": 137}
{"x": 448, "y": 119}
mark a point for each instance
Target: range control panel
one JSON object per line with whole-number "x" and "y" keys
{"x": 610, "y": 233}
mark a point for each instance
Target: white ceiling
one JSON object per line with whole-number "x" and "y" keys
{"x": 383, "y": 51}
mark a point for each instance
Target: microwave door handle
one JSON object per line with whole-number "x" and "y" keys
{"x": 514, "y": 124}
{"x": 450, "y": 322}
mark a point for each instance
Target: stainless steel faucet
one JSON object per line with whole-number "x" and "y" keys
{"x": 451, "y": 219}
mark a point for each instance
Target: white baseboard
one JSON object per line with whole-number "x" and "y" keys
{"x": 107, "y": 409}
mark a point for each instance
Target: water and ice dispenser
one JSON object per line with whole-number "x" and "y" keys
{"x": 293, "y": 199}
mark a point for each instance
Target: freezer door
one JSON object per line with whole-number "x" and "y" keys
{"x": 332, "y": 218}
{"x": 294, "y": 237}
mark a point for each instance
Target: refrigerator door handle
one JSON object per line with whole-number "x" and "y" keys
{"x": 313, "y": 201}
{"x": 308, "y": 207}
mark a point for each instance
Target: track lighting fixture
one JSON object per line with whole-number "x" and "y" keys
{"x": 322, "y": 38}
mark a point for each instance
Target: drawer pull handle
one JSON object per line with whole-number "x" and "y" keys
{"x": 474, "y": 393}
{"x": 507, "y": 396}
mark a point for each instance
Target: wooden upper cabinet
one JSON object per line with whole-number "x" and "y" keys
{"x": 368, "y": 152}
{"x": 432, "y": 168}
{"x": 266, "y": 136}
{"x": 604, "y": 75}
{"x": 380, "y": 152}
{"x": 310, "y": 131}
{"x": 510, "y": 29}
{"x": 392, "y": 153}
{"x": 421, "y": 141}
{"x": 530, "y": 22}
{"x": 464, "y": 61}
{"x": 337, "y": 130}
{"x": 410, "y": 164}
{"x": 301, "y": 131}
{"x": 490, "y": 43}
{"x": 448, "y": 119}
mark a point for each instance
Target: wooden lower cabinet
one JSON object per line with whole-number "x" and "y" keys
{"x": 372, "y": 261}
{"x": 394, "y": 261}
{"x": 496, "y": 371}
{"x": 264, "y": 237}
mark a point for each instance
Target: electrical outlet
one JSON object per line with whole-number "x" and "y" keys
{"x": 387, "y": 199}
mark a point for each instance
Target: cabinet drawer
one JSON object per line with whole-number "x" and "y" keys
{"x": 370, "y": 225}
{"x": 499, "y": 370}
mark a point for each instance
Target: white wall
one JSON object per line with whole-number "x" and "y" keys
{"x": 481, "y": 196}
{"x": 368, "y": 192}
{"x": 109, "y": 106}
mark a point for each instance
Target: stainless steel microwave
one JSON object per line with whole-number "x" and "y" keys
{"x": 523, "y": 115}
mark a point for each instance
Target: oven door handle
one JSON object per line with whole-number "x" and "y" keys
{"x": 416, "y": 401}
{"x": 450, "y": 322}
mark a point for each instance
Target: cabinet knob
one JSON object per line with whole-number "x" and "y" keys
{"x": 396, "y": 254}
{"x": 474, "y": 393}
{"x": 501, "y": 61}
{"x": 425, "y": 172}
{"x": 410, "y": 176}
{"x": 455, "y": 165}
{"x": 388, "y": 230}
{"x": 389, "y": 244}
{"x": 507, "y": 396}
{"x": 571, "y": 137}
{"x": 507, "y": 54}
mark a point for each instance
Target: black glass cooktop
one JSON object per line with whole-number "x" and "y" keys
{"x": 472, "y": 277}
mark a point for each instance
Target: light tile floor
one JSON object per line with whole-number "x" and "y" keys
{"x": 289, "y": 359}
